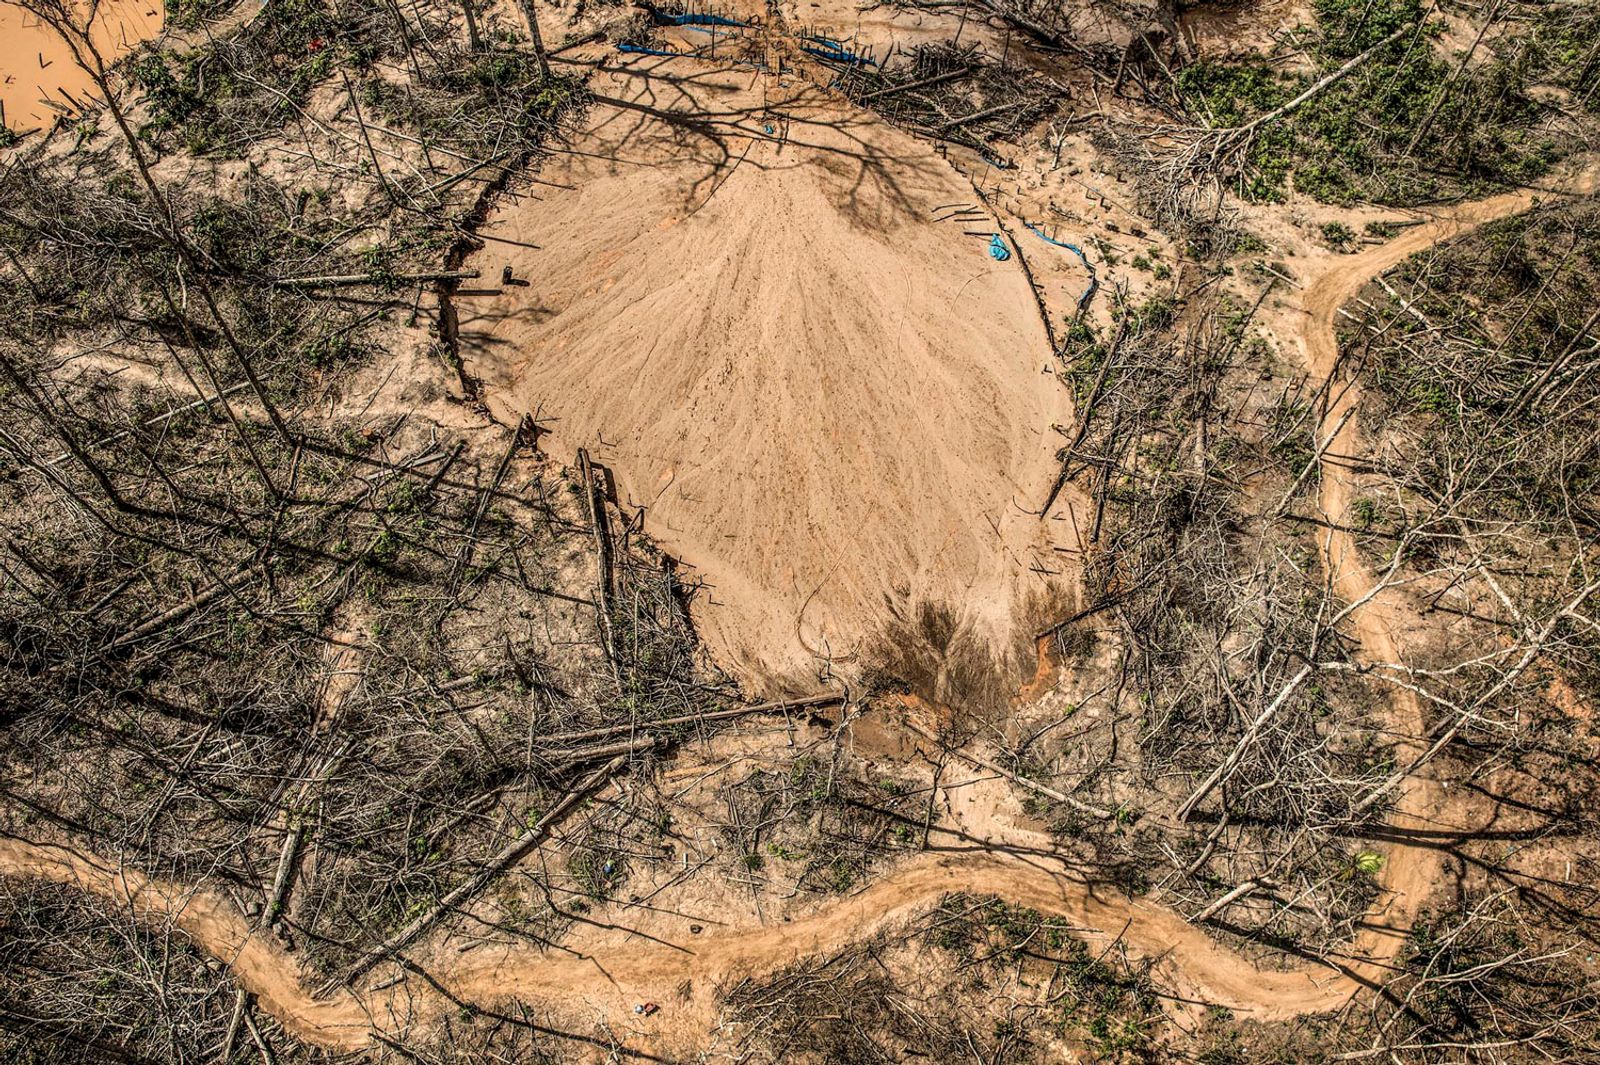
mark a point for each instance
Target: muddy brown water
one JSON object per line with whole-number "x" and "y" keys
{"x": 39, "y": 82}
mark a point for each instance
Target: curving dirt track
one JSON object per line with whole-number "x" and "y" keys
{"x": 1411, "y": 872}
{"x": 1191, "y": 962}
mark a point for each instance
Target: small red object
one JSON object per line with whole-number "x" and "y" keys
{"x": 315, "y": 45}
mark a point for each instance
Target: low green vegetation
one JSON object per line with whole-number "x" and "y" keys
{"x": 974, "y": 979}
{"x": 1410, "y": 124}
{"x": 822, "y": 825}
{"x": 1098, "y": 998}
{"x": 216, "y": 99}
{"x": 192, "y": 14}
{"x": 1489, "y": 339}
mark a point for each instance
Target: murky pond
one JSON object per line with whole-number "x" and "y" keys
{"x": 38, "y": 79}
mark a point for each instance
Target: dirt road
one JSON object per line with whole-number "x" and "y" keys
{"x": 1411, "y": 872}
{"x": 612, "y": 979}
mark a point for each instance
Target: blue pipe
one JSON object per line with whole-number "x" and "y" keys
{"x": 1094, "y": 281}
{"x": 637, "y": 49}
{"x": 665, "y": 18}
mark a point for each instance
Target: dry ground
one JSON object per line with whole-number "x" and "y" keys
{"x": 832, "y": 403}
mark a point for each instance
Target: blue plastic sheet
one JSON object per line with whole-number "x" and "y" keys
{"x": 998, "y": 250}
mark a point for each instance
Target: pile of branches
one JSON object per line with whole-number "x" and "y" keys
{"x": 1215, "y": 619}
{"x": 817, "y": 822}
{"x": 81, "y": 980}
{"x": 344, "y": 670}
{"x": 956, "y": 93}
{"x": 1482, "y": 982}
{"x": 1482, "y": 369}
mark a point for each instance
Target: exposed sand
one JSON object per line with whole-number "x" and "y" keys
{"x": 36, "y": 64}
{"x": 833, "y": 406}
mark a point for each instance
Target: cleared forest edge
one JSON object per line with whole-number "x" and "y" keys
{"x": 1192, "y": 962}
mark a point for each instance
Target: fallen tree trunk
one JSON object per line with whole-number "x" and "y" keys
{"x": 1235, "y": 756}
{"x": 937, "y": 79}
{"x": 808, "y": 702}
{"x": 474, "y": 884}
{"x": 1031, "y": 785}
{"x": 373, "y": 279}
{"x": 596, "y": 508}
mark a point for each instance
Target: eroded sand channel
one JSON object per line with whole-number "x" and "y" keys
{"x": 832, "y": 404}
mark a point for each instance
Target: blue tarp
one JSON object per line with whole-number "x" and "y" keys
{"x": 998, "y": 250}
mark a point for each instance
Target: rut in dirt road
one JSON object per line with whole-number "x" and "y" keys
{"x": 1191, "y": 961}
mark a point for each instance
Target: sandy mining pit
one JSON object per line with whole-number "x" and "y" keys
{"x": 830, "y": 403}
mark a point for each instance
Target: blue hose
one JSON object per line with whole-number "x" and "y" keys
{"x": 636, "y": 49}
{"x": 666, "y": 18}
{"x": 835, "y": 55}
{"x": 1094, "y": 282}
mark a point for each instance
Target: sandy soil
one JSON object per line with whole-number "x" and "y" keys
{"x": 1253, "y": 27}
{"x": 831, "y": 404}
{"x": 36, "y": 64}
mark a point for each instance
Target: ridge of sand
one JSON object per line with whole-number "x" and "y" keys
{"x": 833, "y": 406}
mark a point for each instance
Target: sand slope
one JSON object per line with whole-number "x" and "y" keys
{"x": 829, "y": 403}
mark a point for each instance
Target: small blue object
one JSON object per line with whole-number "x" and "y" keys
{"x": 769, "y": 128}
{"x": 998, "y": 250}
{"x": 635, "y": 49}
{"x": 1094, "y": 280}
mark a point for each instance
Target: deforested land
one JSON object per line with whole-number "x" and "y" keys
{"x": 946, "y": 531}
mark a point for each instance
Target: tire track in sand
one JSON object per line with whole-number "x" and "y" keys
{"x": 1190, "y": 961}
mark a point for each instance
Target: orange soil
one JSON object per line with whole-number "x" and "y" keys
{"x": 35, "y": 63}
{"x": 829, "y": 403}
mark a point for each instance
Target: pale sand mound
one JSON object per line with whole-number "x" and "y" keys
{"x": 832, "y": 406}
